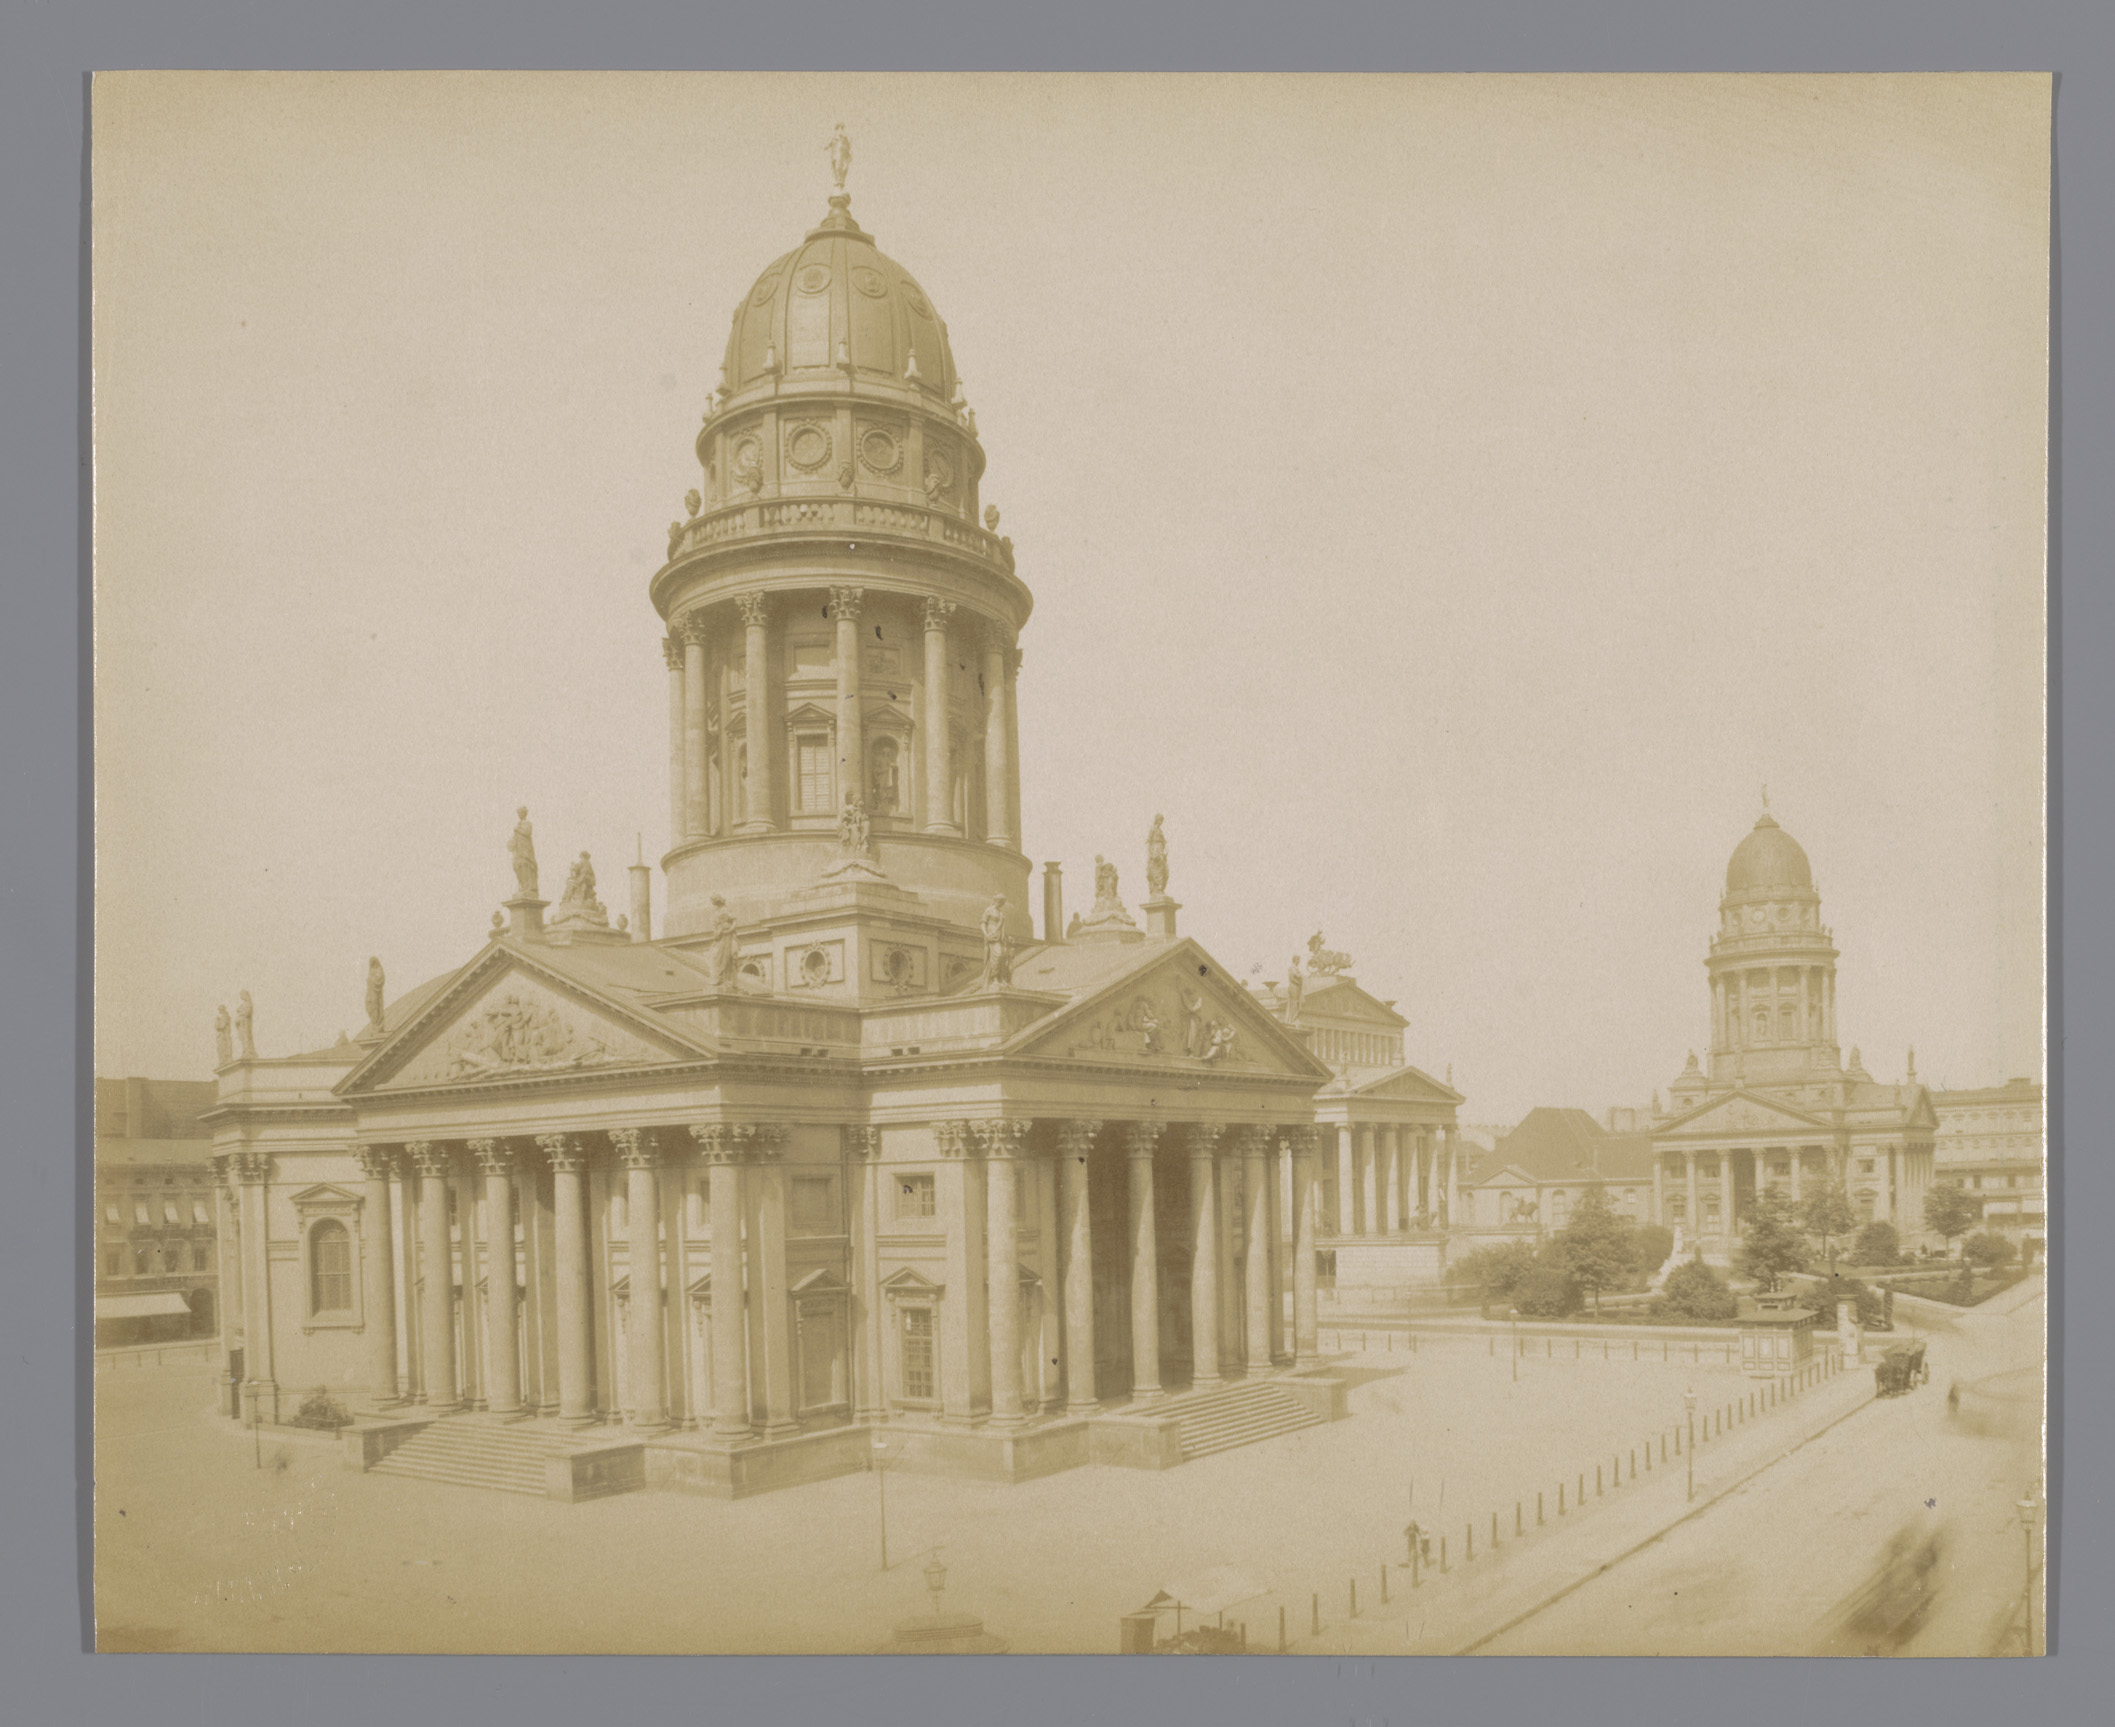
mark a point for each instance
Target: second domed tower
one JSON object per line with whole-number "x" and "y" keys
{"x": 1772, "y": 965}
{"x": 842, "y": 625}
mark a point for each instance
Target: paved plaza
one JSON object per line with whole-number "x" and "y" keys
{"x": 204, "y": 1547}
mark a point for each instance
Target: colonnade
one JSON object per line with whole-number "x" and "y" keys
{"x": 1737, "y": 993}
{"x": 698, "y": 715}
{"x": 1389, "y": 1175}
{"x": 1684, "y": 1167}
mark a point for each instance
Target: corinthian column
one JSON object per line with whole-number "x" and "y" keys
{"x": 647, "y": 1395}
{"x": 1004, "y": 1142}
{"x": 378, "y": 1274}
{"x": 939, "y": 764}
{"x": 436, "y": 1276}
{"x": 1347, "y": 1179}
{"x": 502, "y": 1361}
{"x": 851, "y": 738}
{"x": 964, "y": 1312}
{"x": 998, "y": 760}
{"x": 730, "y": 1372}
{"x": 1305, "y": 1346}
{"x": 1140, "y": 1138}
{"x": 1075, "y": 1140}
{"x": 761, "y": 721}
{"x": 576, "y": 1386}
{"x": 696, "y": 734}
{"x": 1204, "y": 1262}
{"x": 1258, "y": 1286}
{"x": 678, "y": 797}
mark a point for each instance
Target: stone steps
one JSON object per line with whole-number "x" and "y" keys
{"x": 470, "y": 1453}
{"x": 1245, "y": 1413}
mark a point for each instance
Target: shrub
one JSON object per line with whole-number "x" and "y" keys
{"x": 1204, "y": 1640}
{"x": 1871, "y": 1307}
{"x": 1654, "y": 1244}
{"x": 320, "y": 1409}
{"x": 1695, "y": 1291}
{"x": 1497, "y": 1269}
{"x": 1878, "y": 1244}
{"x": 1547, "y": 1293}
{"x": 1987, "y": 1248}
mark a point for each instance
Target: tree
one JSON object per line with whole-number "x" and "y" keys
{"x": 1597, "y": 1249}
{"x": 1654, "y": 1242}
{"x": 1695, "y": 1291}
{"x": 1826, "y": 1215}
{"x": 1988, "y": 1249}
{"x": 1951, "y": 1210}
{"x": 1547, "y": 1292}
{"x": 1497, "y": 1269}
{"x": 1877, "y": 1244}
{"x": 1771, "y": 1243}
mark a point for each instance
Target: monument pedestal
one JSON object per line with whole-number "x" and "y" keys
{"x": 525, "y": 918}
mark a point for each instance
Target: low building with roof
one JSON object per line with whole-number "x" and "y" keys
{"x": 1541, "y": 1170}
{"x": 157, "y": 1243}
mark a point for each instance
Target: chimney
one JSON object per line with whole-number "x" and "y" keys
{"x": 1053, "y": 903}
{"x": 642, "y": 897}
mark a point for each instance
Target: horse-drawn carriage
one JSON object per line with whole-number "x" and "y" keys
{"x": 1900, "y": 1369}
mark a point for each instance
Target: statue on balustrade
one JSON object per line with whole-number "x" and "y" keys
{"x": 725, "y": 962}
{"x": 998, "y": 950}
{"x": 521, "y": 848}
{"x": 1156, "y": 860}
{"x": 1295, "y": 990}
{"x": 223, "y": 1037}
{"x": 243, "y": 1016}
{"x": 374, "y": 993}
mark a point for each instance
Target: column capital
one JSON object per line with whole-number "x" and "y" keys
{"x": 1006, "y": 1137}
{"x": 252, "y": 1168}
{"x": 1140, "y": 1137}
{"x": 672, "y": 652}
{"x": 1204, "y": 1138}
{"x": 1075, "y": 1138}
{"x": 955, "y": 1138}
{"x": 377, "y": 1162}
{"x": 494, "y": 1156}
{"x": 563, "y": 1152}
{"x": 844, "y": 604}
{"x": 995, "y": 637}
{"x": 1253, "y": 1141}
{"x": 692, "y": 629}
{"x": 636, "y": 1147}
{"x": 937, "y": 612}
{"x": 430, "y": 1155}
{"x": 755, "y": 610}
{"x": 764, "y": 1141}
{"x": 859, "y": 1139}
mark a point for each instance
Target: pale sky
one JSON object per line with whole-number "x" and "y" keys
{"x": 1448, "y": 500}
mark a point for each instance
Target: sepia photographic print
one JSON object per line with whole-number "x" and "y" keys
{"x": 1070, "y": 864}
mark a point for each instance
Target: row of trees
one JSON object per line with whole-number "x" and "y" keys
{"x": 1775, "y": 1241}
{"x": 1598, "y": 1251}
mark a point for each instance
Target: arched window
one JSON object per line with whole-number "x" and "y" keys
{"x": 329, "y": 1268}
{"x": 884, "y": 778}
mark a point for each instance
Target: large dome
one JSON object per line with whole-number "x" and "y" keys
{"x": 1768, "y": 858}
{"x": 837, "y": 304}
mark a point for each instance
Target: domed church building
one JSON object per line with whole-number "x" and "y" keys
{"x": 841, "y": 1161}
{"x": 1778, "y": 1106}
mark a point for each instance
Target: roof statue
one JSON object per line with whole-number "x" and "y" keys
{"x": 724, "y": 963}
{"x": 243, "y": 1015}
{"x": 579, "y": 904}
{"x": 839, "y": 150}
{"x": 1325, "y": 962}
{"x": 854, "y": 831}
{"x": 998, "y": 950}
{"x": 223, "y": 1037}
{"x": 374, "y": 993}
{"x": 521, "y": 848}
{"x": 1156, "y": 860}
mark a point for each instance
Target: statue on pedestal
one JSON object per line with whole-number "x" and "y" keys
{"x": 1156, "y": 860}
{"x": 521, "y": 847}
{"x": 724, "y": 959}
{"x": 1295, "y": 990}
{"x": 243, "y": 1014}
{"x": 374, "y": 994}
{"x": 854, "y": 831}
{"x": 223, "y": 1037}
{"x": 1323, "y": 961}
{"x": 998, "y": 951}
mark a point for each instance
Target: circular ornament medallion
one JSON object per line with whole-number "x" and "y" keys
{"x": 878, "y": 452}
{"x": 916, "y": 301}
{"x": 814, "y": 279}
{"x": 815, "y": 967}
{"x": 808, "y": 447}
{"x": 765, "y": 289}
{"x": 869, "y": 282}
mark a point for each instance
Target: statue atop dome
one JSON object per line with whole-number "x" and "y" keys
{"x": 839, "y": 150}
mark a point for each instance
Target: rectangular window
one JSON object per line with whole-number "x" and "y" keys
{"x": 140, "y": 1214}
{"x": 199, "y": 1213}
{"x": 170, "y": 1214}
{"x": 113, "y": 1216}
{"x": 814, "y": 1205}
{"x": 114, "y": 1262}
{"x": 812, "y": 750}
{"x": 139, "y": 1260}
{"x": 915, "y": 1196}
{"x": 821, "y": 1354}
{"x": 920, "y": 1382}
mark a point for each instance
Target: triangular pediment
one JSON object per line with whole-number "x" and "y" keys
{"x": 1745, "y": 1112}
{"x": 1406, "y": 1085}
{"x": 1176, "y": 1009}
{"x": 505, "y": 1017}
{"x": 1341, "y": 999}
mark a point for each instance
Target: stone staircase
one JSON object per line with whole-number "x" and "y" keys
{"x": 1242, "y": 1413}
{"x": 468, "y": 1452}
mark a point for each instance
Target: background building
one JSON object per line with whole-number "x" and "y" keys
{"x": 1538, "y": 1173}
{"x": 1990, "y": 1140}
{"x": 157, "y": 1271}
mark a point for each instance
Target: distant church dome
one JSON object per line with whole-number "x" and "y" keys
{"x": 1768, "y": 858}
{"x": 837, "y": 305}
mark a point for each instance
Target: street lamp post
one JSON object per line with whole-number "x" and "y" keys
{"x": 1689, "y": 1404}
{"x": 1514, "y": 1314}
{"x": 881, "y": 1490}
{"x": 935, "y": 1581}
{"x": 2026, "y": 1511}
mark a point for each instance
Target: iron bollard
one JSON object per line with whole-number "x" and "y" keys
{"x": 1443, "y": 1553}
{"x": 1468, "y": 1544}
{"x": 1384, "y": 1585}
{"x": 1281, "y": 1630}
{"x": 1560, "y": 1499}
{"x": 1519, "y": 1527}
{"x": 1318, "y": 1613}
{"x": 1597, "y": 1483}
{"x": 1538, "y": 1508}
{"x": 1354, "y": 1598}
{"x": 1494, "y": 1529}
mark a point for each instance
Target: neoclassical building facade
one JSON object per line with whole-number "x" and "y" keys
{"x": 1778, "y": 1105}
{"x": 842, "y": 1148}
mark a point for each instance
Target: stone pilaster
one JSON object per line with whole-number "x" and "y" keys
{"x": 851, "y": 722}
{"x": 939, "y": 742}
{"x": 1075, "y": 1141}
{"x": 1004, "y": 1143}
{"x": 770, "y": 1289}
{"x": 964, "y": 1309}
{"x": 378, "y": 1312}
{"x": 862, "y": 1156}
{"x": 998, "y": 761}
{"x": 760, "y": 715}
{"x": 722, "y": 1151}
{"x": 253, "y": 1173}
{"x": 1347, "y": 1179}
{"x": 695, "y": 808}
